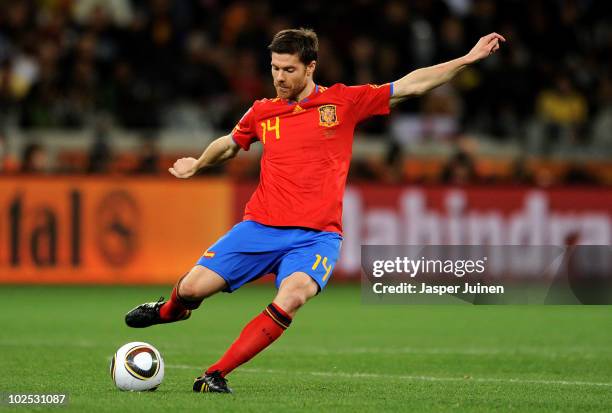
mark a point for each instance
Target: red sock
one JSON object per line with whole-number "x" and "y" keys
{"x": 262, "y": 331}
{"x": 173, "y": 308}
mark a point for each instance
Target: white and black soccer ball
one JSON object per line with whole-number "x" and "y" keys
{"x": 137, "y": 366}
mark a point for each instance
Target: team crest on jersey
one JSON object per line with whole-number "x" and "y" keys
{"x": 328, "y": 116}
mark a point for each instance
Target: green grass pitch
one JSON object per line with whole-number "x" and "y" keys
{"x": 338, "y": 355}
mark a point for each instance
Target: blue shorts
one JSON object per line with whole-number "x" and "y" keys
{"x": 250, "y": 250}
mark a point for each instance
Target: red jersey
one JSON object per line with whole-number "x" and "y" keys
{"x": 307, "y": 149}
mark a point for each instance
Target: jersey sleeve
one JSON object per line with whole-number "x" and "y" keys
{"x": 244, "y": 133}
{"x": 369, "y": 100}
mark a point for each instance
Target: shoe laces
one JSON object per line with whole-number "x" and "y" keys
{"x": 159, "y": 303}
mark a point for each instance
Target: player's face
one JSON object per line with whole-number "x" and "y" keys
{"x": 290, "y": 75}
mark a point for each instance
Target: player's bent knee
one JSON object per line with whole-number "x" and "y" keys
{"x": 200, "y": 283}
{"x": 189, "y": 290}
{"x": 295, "y": 291}
{"x": 300, "y": 282}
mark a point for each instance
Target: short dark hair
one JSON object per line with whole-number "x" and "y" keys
{"x": 303, "y": 42}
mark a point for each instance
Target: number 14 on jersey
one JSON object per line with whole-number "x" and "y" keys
{"x": 269, "y": 127}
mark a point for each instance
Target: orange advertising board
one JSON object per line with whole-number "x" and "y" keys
{"x": 108, "y": 230}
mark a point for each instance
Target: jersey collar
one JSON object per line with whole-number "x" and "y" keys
{"x": 306, "y": 99}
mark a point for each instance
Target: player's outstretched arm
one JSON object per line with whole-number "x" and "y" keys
{"x": 423, "y": 80}
{"x": 218, "y": 151}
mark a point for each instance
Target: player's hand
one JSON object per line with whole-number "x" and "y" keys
{"x": 486, "y": 46}
{"x": 184, "y": 167}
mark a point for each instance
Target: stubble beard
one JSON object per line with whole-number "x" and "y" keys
{"x": 293, "y": 92}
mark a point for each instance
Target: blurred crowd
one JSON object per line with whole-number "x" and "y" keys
{"x": 156, "y": 64}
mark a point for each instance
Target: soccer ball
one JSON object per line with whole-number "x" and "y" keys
{"x": 137, "y": 366}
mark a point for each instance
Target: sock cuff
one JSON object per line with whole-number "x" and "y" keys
{"x": 278, "y": 315}
{"x": 189, "y": 304}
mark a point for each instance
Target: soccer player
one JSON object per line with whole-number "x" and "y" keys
{"x": 292, "y": 223}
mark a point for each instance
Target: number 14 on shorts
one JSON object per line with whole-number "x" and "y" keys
{"x": 325, "y": 266}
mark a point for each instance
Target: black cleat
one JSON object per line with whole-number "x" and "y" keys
{"x": 211, "y": 383}
{"x": 147, "y": 314}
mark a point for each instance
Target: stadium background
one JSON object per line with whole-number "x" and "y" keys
{"x": 99, "y": 98}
